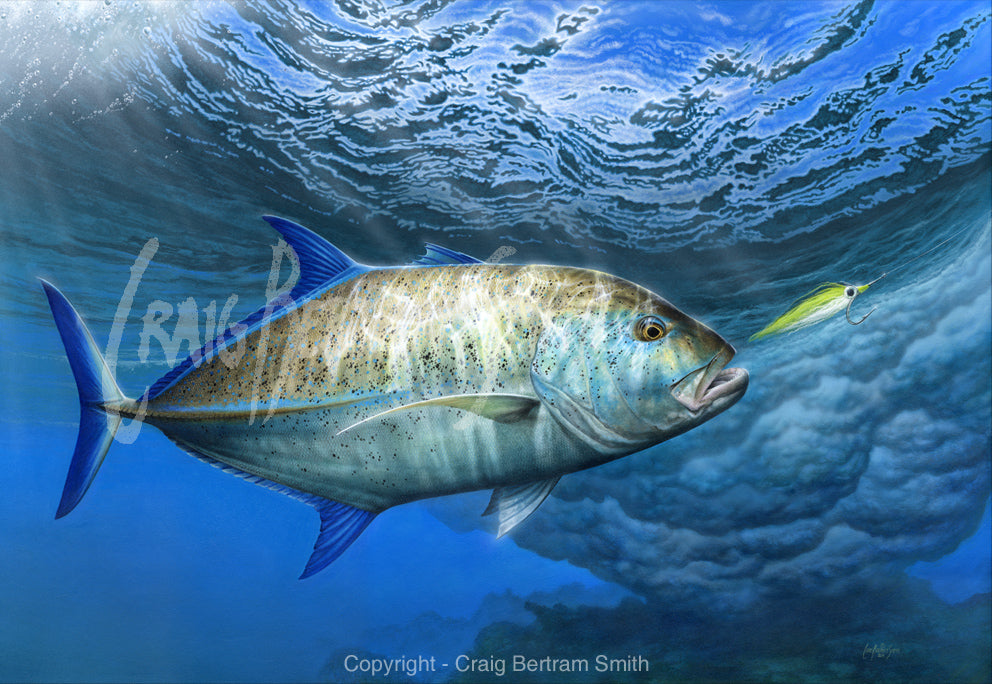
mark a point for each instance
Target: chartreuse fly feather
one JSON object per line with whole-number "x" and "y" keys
{"x": 823, "y": 302}
{"x": 827, "y": 299}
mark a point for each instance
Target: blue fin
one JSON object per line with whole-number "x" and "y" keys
{"x": 340, "y": 524}
{"x": 320, "y": 261}
{"x": 442, "y": 256}
{"x": 321, "y": 265}
{"x": 96, "y": 389}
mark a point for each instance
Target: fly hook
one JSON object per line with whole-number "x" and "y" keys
{"x": 852, "y": 293}
{"x": 862, "y": 319}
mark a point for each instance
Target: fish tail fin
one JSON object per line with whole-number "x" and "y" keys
{"x": 97, "y": 389}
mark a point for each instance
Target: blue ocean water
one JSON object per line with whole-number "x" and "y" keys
{"x": 728, "y": 155}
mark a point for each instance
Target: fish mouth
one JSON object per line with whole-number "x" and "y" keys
{"x": 711, "y": 385}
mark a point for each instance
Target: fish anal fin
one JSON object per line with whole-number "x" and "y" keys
{"x": 502, "y": 408}
{"x": 515, "y": 504}
{"x": 340, "y": 526}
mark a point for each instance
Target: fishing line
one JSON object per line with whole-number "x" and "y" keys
{"x": 918, "y": 256}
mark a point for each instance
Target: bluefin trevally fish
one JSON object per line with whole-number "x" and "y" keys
{"x": 366, "y": 387}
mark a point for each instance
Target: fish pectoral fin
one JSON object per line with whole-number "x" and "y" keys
{"x": 340, "y": 525}
{"x": 502, "y": 408}
{"x": 515, "y": 504}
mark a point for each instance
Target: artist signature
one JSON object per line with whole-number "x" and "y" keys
{"x": 881, "y": 651}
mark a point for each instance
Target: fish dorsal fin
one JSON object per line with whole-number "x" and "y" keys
{"x": 514, "y": 504}
{"x": 320, "y": 261}
{"x": 340, "y": 525}
{"x": 442, "y": 256}
{"x": 502, "y": 408}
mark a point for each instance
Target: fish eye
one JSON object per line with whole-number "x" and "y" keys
{"x": 850, "y": 291}
{"x": 649, "y": 329}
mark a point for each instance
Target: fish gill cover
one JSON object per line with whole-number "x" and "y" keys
{"x": 727, "y": 155}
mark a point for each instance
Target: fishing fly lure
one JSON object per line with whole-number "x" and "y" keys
{"x": 820, "y": 304}
{"x": 827, "y": 299}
